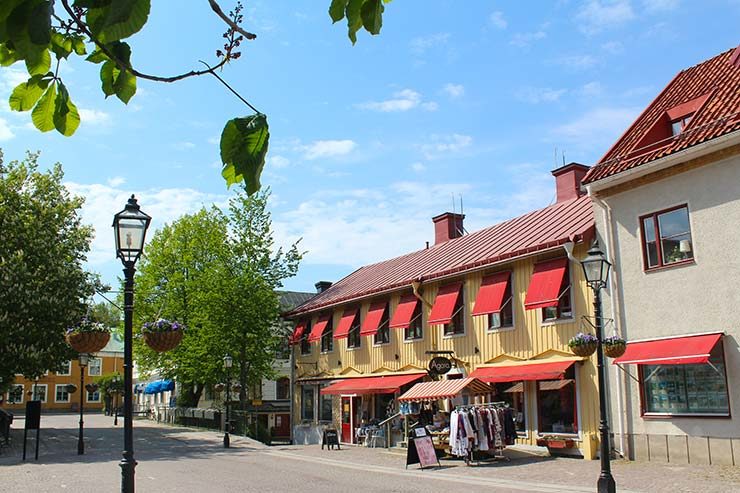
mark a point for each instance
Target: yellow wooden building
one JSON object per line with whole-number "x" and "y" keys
{"x": 501, "y": 303}
{"x": 51, "y": 388}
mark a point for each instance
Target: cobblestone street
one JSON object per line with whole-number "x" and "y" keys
{"x": 180, "y": 459}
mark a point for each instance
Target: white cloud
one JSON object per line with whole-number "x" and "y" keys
{"x": 404, "y": 100}
{"x": 183, "y": 146}
{"x": 5, "y": 132}
{"x": 278, "y": 161}
{"x": 535, "y": 95}
{"x": 523, "y": 40}
{"x": 597, "y": 127}
{"x": 94, "y": 117}
{"x": 328, "y": 148}
{"x": 613, "y": 47}
{"x": 215, "y": 140}
{"x": 577, "y": 62}
{"x": 10, "y": 78}
{"x": 454, "y": 90}
{"x": 446, "y": 144}
{"x": 421, "y": 44}
{"x": 592, "y": 89}
{"x": 418, "y": 167}
{"x": 116, "y": 181}
{"x": 497, "y": 20}
{"x": 654, "y": 6}
{"x": 596, "y": 15}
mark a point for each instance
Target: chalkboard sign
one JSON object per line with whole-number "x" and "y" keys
{"x": 330, "y": 439}
{"x": 421, "y": 451}
{"x": 33, "y": 415}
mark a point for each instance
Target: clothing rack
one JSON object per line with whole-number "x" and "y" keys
{"x": 496, "y": 404}
{"x": 497, "y": 451}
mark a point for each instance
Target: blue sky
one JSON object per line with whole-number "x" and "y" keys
{"x": 369, "y": 142}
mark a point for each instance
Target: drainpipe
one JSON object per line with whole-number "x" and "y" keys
{"x": 292, "y": 391}
{"x": 415, "y": 285}
{"x": 606, "y": 212}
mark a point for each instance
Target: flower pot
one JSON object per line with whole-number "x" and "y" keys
{"x": 163, "y": 341}
{"x": 88, "y": 342}
{"x": 584, "y": 349}
{"x": 614, "y": 350}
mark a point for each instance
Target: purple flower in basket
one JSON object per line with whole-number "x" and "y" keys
{"x": 582, "y": 339}
{"x": 613, "y": 341}
{"x": 162, "y": 325}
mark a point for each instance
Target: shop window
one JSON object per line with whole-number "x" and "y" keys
{"x": 666, "y": 237}
{"x": 354, "y": 339}
{"x": 457, "y": 324}
{"x": 326, "y": 407}
{"x": 38, "y": 392}
{"x": 95, "y": 367}
{"x": 15, "y": 394}
{"x": 383, "y": 335}
{"x": 504, "y": 318}
{"x": 512, "y": 393}
{"x": 307, "y": 402}
{"x": 282, "y": 388}
{"x": 327, "y": 337}
{"x": 95, "y": 396}
{"x": 687, "y": 389}
{"x": 384, "y": 407}
{"x": 305, "y": 345}
{"x": 61, "y": 394}
{"x": 414, "y": 330}
{"x": 564, "y": 308}
{"x": 65, "y": 370}
{"x": 557, "y": 404}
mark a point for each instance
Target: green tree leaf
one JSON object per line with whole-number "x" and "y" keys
{"x": 38, "y": 62}
{"x": 39, "y": 24}
{"x": 354, "y": 19}
{"x": 78, "y": 45}
{"x": 7, "y": 56}
{"x": 125, "y": 86}
{"x": 43, "y": 113}
{"x": 372, "y": 15}
{"x": 26, "y": 94}
{"x": 244, "y": 143}
{"x": 61, "y": 45}
{"x": 97, "y": 56}
{"x": 336, "y": 10}
{"x": 108, "y": 74}
{"x": 118, "y": 20}
{"x": 6, "y": 7}
{"x": 66, "y": 116}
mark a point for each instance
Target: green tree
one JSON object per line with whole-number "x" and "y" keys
{"x": 105, "y": 313}
{"x": 32, "y": 31}
{"x": 43, "y": 286}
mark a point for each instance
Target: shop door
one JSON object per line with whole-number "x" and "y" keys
{"x": 347, "y": 434}
{"x": 282, "y": 425}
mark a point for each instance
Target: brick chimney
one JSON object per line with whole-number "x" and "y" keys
{"x": 568, "y": 181}
{"x": 447, "y": 226}
{"x": 322, "y": 286}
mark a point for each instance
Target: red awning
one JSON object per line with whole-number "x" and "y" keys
{"x": 345, "y": 323}
{"x": 544, "y": 287}
{"x": 318, "y": 329}
{"x": 491, "y": 293}
{"x": 372, "y": 319}
{"x": 444, "y": 389}
{"x": 686, "y": 350}
{"x": 444, "y": 304}
{"x": 551, "y": 370}
{"x": 404, "y": 312}
{"x": 387, "y": 384}
{"x": 298, "y": 332}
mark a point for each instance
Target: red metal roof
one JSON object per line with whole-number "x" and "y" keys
{"x": 714, "y": 87}
{"x": 524, "y": 235}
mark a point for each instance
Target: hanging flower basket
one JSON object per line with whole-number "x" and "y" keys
{"x": 219, "y": 387}
{"x": 583, "y": 344}
{"x": 88, "y": 336}
{"x": 614, "y": 346}
{"x": 91, "y": 387}
{"x": 162, "y": 335}
{"x": 71, "y": 388}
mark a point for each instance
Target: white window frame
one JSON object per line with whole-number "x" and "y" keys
{"x": 462, "y": 309}
{"x": 68, "y": 372}
{"x": 90, "y": 367}
{"x": 554, "y": 321}
{"x": 505, "y": 328}
{"x": 46, "y": 391}
{"x": 56, "y": 389}
{"x": 87, "y": 396}
{"x": 23, "y": 391}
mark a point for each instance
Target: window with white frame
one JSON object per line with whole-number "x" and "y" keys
{"x": 564, "y": 308}
{"x": 307, "y": 402}
{"x": 15, "y": 394}
{"x": 383, "y": 335}
{"x": 61, "y": 394}
{"x": 666, "y": 237}
{"x": 93, "y": 396}
{"x": 327, "y": 337}
{"x": 457, "y": 324}
{"x": 414, "y": 330}
{"x": 65, "y": 370}
{"x": 95, "y": 367}
{"x": 38, "y": 392}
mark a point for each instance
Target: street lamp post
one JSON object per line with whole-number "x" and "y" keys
{"x": 228, "y": 362}
{"x": 129, "y": 227}
{"x": 83, "y": 360}
{"x": 596, "y": 269}
{"x": 116, "y": 384}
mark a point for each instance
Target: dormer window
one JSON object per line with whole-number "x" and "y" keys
{"x": 678, "y": 126}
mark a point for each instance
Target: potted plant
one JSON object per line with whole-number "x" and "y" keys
{"x": 163, "y": 334}
{"x": 88, "y": 336}
{"x": 583, "y": 344}
{"x": 71, "y": 388}
{"x": 614, "y": 346}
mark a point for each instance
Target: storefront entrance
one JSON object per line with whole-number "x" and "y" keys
{"x": 282, "y": 425}
{"x": 350, "y": 417}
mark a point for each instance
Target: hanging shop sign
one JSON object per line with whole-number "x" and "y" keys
{"x": 440, "y": 365}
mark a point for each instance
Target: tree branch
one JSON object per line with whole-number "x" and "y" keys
{"x": 233, "y": 25}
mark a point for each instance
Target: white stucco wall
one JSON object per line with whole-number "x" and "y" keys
{"x": 681, "y": 300}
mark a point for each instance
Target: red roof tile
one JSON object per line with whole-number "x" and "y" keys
{"x": 718, "y": 78}
{"x": 536, "y": 231}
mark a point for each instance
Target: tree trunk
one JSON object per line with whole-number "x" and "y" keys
{"x": 190, "y": 394}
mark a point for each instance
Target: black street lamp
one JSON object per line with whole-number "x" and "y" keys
{"x": 228, "y": 362}
{"x": 129, "y": 228}
{"x": 596, "y": 269}
{"x": 83, "y": 360}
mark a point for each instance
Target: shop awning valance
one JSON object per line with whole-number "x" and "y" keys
{"x": 159, "y": 386}
{"x": 685, "y": 350}
{"x": 555, "y": 384}
{"x": 318, "y": 329}
{"x": 348, "y": 318}
{"x": 544, "y": 287}
{"x": 404, "y": 312}
{"x": 491, "y": 294}
{"x": 444, "y": 389}
{"x": 372, "y": 319}
{"x": 549, "y": 370}
{"x": 298, "y": 332}
{"x": 444, "y": 304}
{"x": 385, "y": 384}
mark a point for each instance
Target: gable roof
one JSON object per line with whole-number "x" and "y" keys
{"x": 536, "y": 231}
{"x": 711, "y": 89}
{"x": 291, "y": 299}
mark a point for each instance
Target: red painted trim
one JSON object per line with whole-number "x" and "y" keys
{"x": 658, "y": 242}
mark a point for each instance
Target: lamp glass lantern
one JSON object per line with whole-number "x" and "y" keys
{"x": 129, "y": 227}
{"x": 84, "y": 359}
{"x": 596, "y": 267}
{"x": 228, "y": 361}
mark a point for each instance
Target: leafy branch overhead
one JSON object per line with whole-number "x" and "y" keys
{"x": 43, "y": 34}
